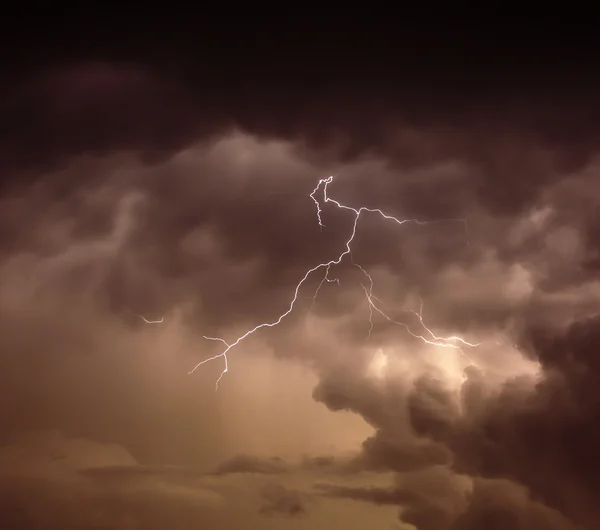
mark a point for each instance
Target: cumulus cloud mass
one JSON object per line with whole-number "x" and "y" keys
{"x": 141, "y": 212}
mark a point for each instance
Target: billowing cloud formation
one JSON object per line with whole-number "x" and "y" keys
{"x": 543, "y": 437}
{"x": 206, "y": 220}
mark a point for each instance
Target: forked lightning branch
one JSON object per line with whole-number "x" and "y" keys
{"x": 321, "y": 197}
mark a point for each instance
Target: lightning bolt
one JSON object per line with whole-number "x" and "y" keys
{"x": 428, "y": 337}
{"x": 224, "y": 355}
{"x": 446, "y": 342}
{"x": 162, "y": 319}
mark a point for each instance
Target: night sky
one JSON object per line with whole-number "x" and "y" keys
{"x": 156, "y": 171}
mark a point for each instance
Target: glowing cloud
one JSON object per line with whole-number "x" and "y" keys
{"x": 428, "y": 336}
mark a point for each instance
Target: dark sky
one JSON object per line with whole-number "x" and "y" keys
{"x": 159, "y": 166}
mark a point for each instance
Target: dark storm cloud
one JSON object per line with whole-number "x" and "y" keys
{"x": 498, "y": 504}
{"x": 531, "y": 430}
{"x": 540, "y": 434}
{"x": 504, "y": 166}
{"x": 103, "y": 108}
{"x": 545, "y": 438}
{"x": 152, "y": 239}
{"x": 514, "y": 145}
{"x": 125, "y": 197}
{"x": 391, "y": 448}
{"x": 96, "y": 108}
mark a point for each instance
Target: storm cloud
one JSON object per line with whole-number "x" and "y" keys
{"x": 142, "y": 211}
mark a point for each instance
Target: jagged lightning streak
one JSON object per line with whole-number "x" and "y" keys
{"x": 160, "y": 321}
{"x": 226, "y": 368}
{"x": 434, "y": 340}
{"x": 322, "y": 185}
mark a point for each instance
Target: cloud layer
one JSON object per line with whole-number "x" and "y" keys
{"x": 205, "y": 220}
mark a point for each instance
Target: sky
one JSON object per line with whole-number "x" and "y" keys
{"x": 167, "y": 179}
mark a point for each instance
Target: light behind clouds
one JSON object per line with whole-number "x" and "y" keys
{"x": 214, "y": 241}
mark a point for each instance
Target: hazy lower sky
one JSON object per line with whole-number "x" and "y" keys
{"x": 168, "y": 179}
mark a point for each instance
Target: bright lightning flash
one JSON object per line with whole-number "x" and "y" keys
{"x": 428, "y": 337}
